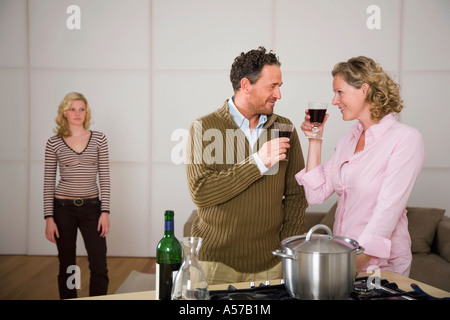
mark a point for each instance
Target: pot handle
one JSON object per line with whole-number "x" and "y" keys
{"x": 282, "y": 254}
{"x": 319, "y": 226}
{"x": 359, "y": 250}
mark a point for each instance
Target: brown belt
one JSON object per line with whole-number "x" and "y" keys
{"x": 77, "y": 202}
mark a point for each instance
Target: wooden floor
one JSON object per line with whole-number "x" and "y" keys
{"x": 35, "y": 277}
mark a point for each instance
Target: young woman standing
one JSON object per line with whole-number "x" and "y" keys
{"x": 76, "y": 201}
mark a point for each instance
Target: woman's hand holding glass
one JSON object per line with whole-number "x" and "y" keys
{"x": 307, "y": 126}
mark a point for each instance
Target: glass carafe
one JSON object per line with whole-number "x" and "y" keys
{"x": 190, "y": 282}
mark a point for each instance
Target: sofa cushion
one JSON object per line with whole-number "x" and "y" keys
{"x": 422, "y": 226}
{"x": 443, "y": 238}
{"x": 431, "y": 269}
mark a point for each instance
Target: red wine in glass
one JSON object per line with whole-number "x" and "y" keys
{"x": 284, "y": 130}
{"x": 317, "y": 111}
{"x": 286, "y": 134}
{"x": 317, "y": 115}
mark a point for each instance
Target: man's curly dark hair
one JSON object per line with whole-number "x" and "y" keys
{"x": 249, "y": 65}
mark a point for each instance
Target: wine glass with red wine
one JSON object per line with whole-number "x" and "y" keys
{"x": 284, "y": 130}
{"x": 317, "y": 111}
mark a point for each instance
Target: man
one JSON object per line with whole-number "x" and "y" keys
{"x": 241, "y": 177}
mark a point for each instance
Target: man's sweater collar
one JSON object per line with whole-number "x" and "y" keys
{"x": 225, "y": 115}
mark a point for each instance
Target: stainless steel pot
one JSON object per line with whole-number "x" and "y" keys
{"x": 319, "y": 267}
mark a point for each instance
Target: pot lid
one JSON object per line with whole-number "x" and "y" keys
{"x": 320, "y": 243}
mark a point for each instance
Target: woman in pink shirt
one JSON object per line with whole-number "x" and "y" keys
{"x": 373, "y": 168}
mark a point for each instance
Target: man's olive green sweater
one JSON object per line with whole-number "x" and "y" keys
{"x": 242, "y": 215}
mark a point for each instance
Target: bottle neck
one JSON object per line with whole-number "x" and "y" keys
{"x": 168, "y": 228}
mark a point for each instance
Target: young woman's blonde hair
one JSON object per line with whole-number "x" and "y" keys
{"x": 62, "y": 129}
{"x": 383, "y": 94}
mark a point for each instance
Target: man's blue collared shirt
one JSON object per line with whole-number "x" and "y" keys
{"x": 252, "y": 136}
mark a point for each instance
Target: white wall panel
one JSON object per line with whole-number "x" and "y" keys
{"x": 426, "y": 98}
{"x": 13, "y": 207}
{"x": 315, "y": 35}
{"x": 13, "y": 127}
{"x": 130, "y": 217}
{"x": 431, "y": 189}
{"x": 178, "y": 99}
{"x": 170, "y": 191}
{"x": 113, "y": 34}
{"x": 13, "y": 33}
{"x": 207, "y": 34}
{"x": 13, "y": 120}
{"x": 426, "y": 40}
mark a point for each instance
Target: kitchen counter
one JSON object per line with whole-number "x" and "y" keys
{"x": 402, "y": 282}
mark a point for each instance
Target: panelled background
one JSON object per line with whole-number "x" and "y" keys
{"x": 149, "y": 68}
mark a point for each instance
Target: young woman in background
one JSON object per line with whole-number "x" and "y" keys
{"x": 73, "y": 203}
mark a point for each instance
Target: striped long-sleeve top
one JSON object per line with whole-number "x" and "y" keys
{"x": 77, "y": 171}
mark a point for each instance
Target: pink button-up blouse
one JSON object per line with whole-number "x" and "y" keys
{"x": 373, "y": 187}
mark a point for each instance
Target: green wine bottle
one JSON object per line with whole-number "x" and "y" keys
{"x": 168, "y": 258}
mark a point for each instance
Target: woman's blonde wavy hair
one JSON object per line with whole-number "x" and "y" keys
{"x": 62, "y": 129}
{"x": 383, "y": 94}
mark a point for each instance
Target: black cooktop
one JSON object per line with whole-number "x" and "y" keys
{"x": 384, "y": 291}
